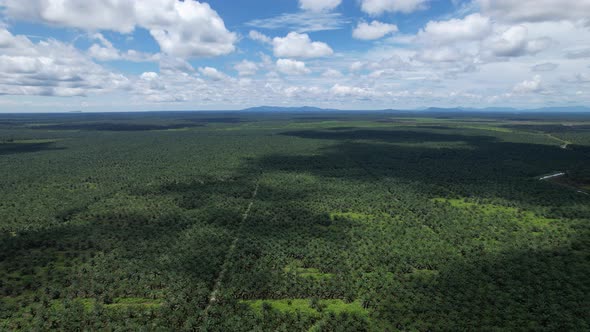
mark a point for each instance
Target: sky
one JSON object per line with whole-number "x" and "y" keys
{"x": 132, "y": 55}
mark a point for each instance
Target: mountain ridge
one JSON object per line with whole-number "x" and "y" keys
{"x": 309, "y": 109}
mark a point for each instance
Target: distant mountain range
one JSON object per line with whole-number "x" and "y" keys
{"x": 568, "y": 109}
{"x": 287, "y": 109}
{"x": 307, "y": 109}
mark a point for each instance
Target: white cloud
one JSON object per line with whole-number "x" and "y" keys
{"x": 302, "y": 92}
{"x": 442, "y": 54}
{"x": 319, "y": 5}
{"x": 296, "y": 45}
{"x": 260, "y": 37}
{"x": 356, "y": 66}
{"x": 377, "y": 7}
{"x": 246, "y": 68}
{"x": 531, "y": 86}
{"x": 305, "y": 21}
{"x": 51, "y": 68}
{"x": 116, "y": 15}
{"x": 194, "y": 30}
{"x": 292, "y": 67}
{"x": 212, "y": 73}
{"x": 393, "y": 62}
{"x": 181, "y": 28}
{"x": 149, "y": 76}
{"x": 174, "y": 65}
{"x": 514, "y": 42}
{"x": 536, "y": 10}
{"x": 332, "y": 73}
{"x": 105, "y": 51}
{"x": 350, "y": 91}
{"x": 373, "y": 30}
{"x": 472, "y": 27}
{"x": 152, "y": 87}
{"x": 10, "y": 42}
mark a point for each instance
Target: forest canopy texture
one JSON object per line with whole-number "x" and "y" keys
{"x": 310, "y": 221}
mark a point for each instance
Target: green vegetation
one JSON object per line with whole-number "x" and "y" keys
{"x": 312, "y": 307}
{"x": 492, "y": 209}
{"x": 294, "y": 222}
{"x": 336, "y": 216}
{"x": 305, "y": 272}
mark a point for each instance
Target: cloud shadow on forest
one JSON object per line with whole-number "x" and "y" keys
{"x": 537, "y": 290}
{"x": 389, "y": 136}
{"x": 116, "y": 126}
{"x": 17, "y": 148}
{"x": 487, "y": 168}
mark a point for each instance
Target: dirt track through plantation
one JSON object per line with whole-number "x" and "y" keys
{"x": 229, "y": 255}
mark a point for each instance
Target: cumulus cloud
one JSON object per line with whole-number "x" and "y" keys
{"x": 350, "y": 91}
{"x": 514, "y": 42}
{"x": 116, "y": 15}
{"x": 536, "y": 10}
{"x": 302, "y": 91}
{"x": 259, "y": 37}
{"x": 51, "y": 68}
{"x": 472, "y": 27}
{"x": 319, "y": 5}
{"x": 105, "y": 51}
{"x": 377, "y": 7}
{"x": 174, "y": 65}
{"x": 530, "y": 86}
{"x": 296, "y": 45}
{"x": 181, "y": 28}
{"x": 356, "y": 66}
{"x": 373, "y": 30}
{"x": 393, "y": 62}
{"x": 442, "y": 54}
{"x": 212, "y": 73}
{"x": 177, "y": 84}
{"x": 292, "y": 67}
{"x": 149, "y": 76}
{"x": 332, "y": 73}
{"x": 246, "y": 68}
{"x": 152, "y": 87}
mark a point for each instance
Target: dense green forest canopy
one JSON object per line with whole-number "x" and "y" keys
{"x": 311, "y": 221}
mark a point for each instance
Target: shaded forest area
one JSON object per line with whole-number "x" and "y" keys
{"x": 294, "y": 222}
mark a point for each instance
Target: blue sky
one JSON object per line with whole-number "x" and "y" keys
{"x": 126, "y": 55}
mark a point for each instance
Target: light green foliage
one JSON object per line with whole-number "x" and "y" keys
{"x": 493, "y": 209}
{"x": 305, "y": 272}
{"x": 355, "y": 216}
{"x": 134, "y": 302}
{"x": 305, "y": 306}
{"x": 490, "y": 128}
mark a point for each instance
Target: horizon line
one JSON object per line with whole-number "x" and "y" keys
{"x": 490, "y": 109}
